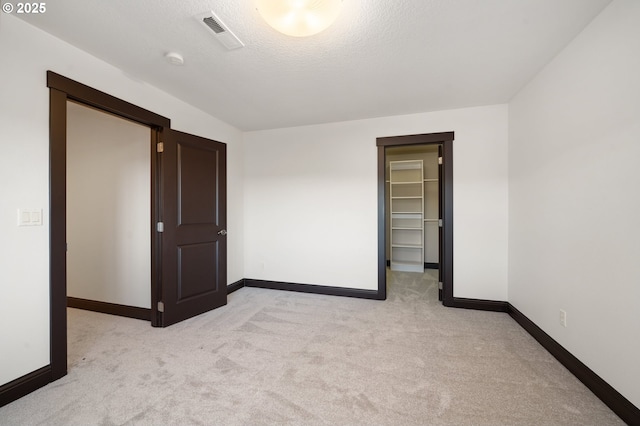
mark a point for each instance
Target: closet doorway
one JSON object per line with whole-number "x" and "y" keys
{"x": 415, "y": 207}
{"x": 412, "y": 199}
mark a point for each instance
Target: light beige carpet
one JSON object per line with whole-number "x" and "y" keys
{"x": 275, "y": 357}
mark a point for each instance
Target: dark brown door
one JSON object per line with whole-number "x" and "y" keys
{"x": 193, "y": 276}
{"x": 440, "y": 218}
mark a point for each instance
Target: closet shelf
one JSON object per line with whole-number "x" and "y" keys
{"x": 407, "y": 245}
{"x": 405, "y": 165}
{"x": 407, "y": 266}
{"x": 406, "y": 215}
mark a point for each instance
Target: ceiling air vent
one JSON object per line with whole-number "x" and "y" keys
{"x": 213, "y": 24}
{"x": 220, "y": 31}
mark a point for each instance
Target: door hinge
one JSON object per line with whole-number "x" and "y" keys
{"x": 160, "y": 226}
{"x": 440, "y": 223}
{"x": 160, "y": 147}
{"x": 440, "y": 160}
{"x": 160, "y": 306}
{"x": 440, "y": 285}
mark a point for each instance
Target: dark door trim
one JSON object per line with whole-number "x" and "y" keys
{"x": 440, "y": 216}
{"x": 446, "y": 256}
{"x": 61, "y": 90}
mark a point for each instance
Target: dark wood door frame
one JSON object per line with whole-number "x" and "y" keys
{"x": 63, "y": 89}
{"x": 440, "y": 217}
{"x": 446, "y": 256}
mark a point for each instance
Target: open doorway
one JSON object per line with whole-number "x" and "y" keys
{"x": 61, "y": 91}
{"x": 418, "y": 224}
{"x": 187, "y": 217}
{"x": 108, "y": 213}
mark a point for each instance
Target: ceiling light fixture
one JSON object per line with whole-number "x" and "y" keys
{"x": 299, "y": 18}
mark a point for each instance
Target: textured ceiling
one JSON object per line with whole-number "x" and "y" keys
{"x": 380, "y": 58}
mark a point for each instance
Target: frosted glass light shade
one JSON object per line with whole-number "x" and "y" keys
{"x": 299, "y": 18}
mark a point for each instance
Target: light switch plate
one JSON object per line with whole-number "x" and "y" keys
{"x": 29, "y": 217}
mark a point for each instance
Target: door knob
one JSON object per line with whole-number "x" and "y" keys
{"x": 222, "y": 232}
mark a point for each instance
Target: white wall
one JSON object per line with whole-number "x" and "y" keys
{"x": 24, "y": 134}
{"x": 574, "y": 234}
{"x": 108, "y": 208}
{"x": 311, "y": 200}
